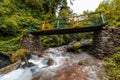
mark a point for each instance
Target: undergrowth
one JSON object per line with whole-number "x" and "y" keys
{"x": 11, "y": 43}
{"x": 112, "y": 66}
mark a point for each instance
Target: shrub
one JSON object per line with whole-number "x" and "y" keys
{"x": 9, "y": 26}
{"x": 52, "y": 41}
{"x": 112, "y": 66}
{"x": 117, "y": 48}
{"x": 118, "y": 24}
{"x": 9, "y": 44}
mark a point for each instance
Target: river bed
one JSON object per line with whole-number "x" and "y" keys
{"x": 60, "y": 59}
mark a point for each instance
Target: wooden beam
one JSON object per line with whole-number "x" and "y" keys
{"x": 70, "y": 30}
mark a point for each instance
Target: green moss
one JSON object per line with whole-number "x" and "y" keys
{"x": 112, "y": 66}
{"x": 19, "y": 53}
{"x": 117, "y": 48}
{"x": 76, "y": 45}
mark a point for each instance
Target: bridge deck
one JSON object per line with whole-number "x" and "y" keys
{"x": 69, "y": 30}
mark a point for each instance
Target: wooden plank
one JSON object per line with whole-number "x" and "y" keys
{"x": 70, "y": 30}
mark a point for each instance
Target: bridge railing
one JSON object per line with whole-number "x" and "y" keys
{"x": 94, "y": 19}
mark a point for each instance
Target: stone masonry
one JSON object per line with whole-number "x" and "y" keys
{"x": 30, "y": 42}
{"x": 105, "y": 41}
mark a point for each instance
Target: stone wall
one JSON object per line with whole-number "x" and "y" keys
{"x": 105, "y": 41}
{"x": 30, "y": 42}
{"x": 115, "y": 33}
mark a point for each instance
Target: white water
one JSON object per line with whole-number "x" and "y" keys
{"x": 61, "y": 59}
{"x": 41, "y": 64}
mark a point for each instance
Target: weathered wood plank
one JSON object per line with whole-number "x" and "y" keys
{"x": 69, "y": 30}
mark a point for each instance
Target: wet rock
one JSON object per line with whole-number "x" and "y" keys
{"x": 4, "y": 63}
{"x": 30, "y": 64}
{"x": 73, "y": 46}
{"x": 38, "y": 53}
{"x": 73, "y": 72}
{"x": 87, "y": 62}
{"x": 10, "y": 67}
{"x": 4, "y": 59}
{"x": 35, "y": 70}
{"x": 50, "y": 62}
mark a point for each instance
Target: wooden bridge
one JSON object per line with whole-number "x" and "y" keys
{"x": 70, "y": 30}
{"x": 63, "y": 25}
{"x": 32, "y": 40}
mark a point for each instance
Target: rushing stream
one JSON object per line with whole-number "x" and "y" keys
{"x": 59, "y": 59}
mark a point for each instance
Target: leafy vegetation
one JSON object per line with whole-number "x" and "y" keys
{"x": 16, "y": 16}
{"x": 112, "y": 66}
{"x": 52, "y": 41}
{"x": 118, "y": 48}
{"x": 111, "y": 10}
{"x": 9, "y": 44}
